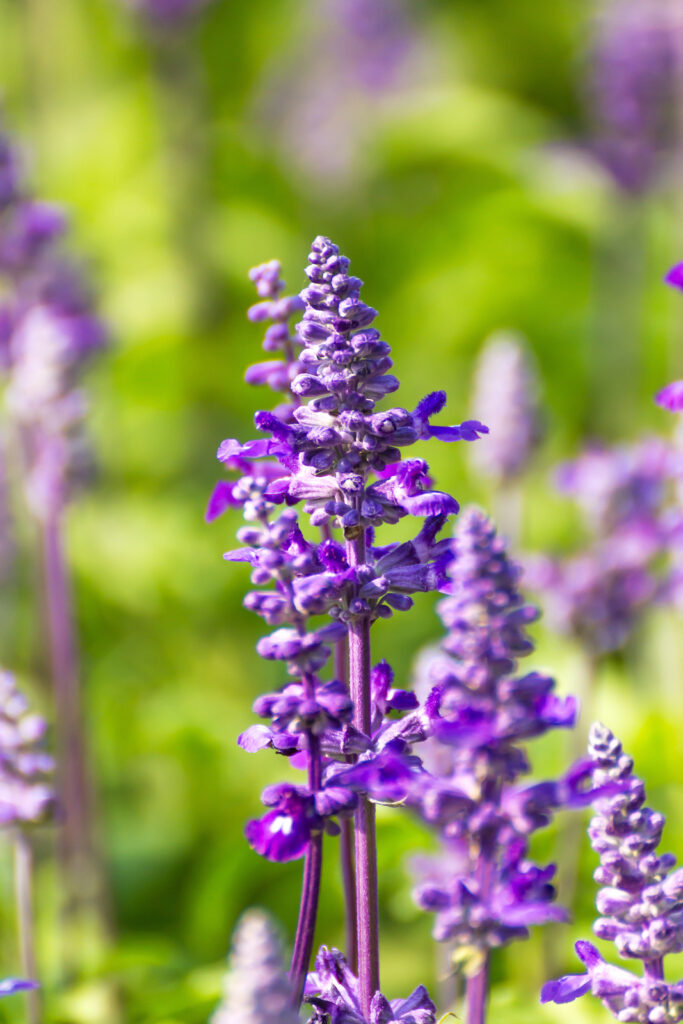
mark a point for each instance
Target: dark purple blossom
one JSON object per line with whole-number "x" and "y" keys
{"x": 333, "y": 992}
{"x": 284, "y": 833}
{"x": 640, "y": 902}
{"x": 506, "y": 399}
{"x": 256, "y": 988}
{"x": 482, "y": 887}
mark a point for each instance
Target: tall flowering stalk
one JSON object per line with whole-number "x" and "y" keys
{"x": 506, "y": 399}
{"x": 632, "y": 89}
{"x": 26, "y": 799}
{"x": 342, "y": 458}
{"x": 257, "y": 990}
{"x": 640, "y": 900}
{"x": 482, "y": 887}
{"x": 48, "y": 333}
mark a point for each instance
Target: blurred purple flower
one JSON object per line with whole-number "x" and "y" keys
{"x": 256, "y": 988}
{"x": 26, "y": 791}
{"x": 506, "y": 399}
{"x": 631, "y": 92}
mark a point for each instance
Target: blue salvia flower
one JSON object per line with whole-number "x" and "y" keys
{"x": 257, "y": 990}
{"x": 640, "y": 900}
{"x": 483, "y": 888}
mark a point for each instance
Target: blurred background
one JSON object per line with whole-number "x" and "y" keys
{"x": 464, "y": 155}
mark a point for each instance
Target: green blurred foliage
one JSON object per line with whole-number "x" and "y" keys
{"x": 473, "y": 207}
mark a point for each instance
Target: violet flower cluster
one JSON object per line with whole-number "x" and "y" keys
{"x": 257, "y": 990}
{"x": 482, "y": 886}
{"x": 47, "y": 333}
{"x": 599, "y": 594}
{"x": 506, "y": 399}
{"x": 632, "y": 90}
{"x": 26, "y": 791}
{"x": 342, "y": 458}
{"x": 640, "y": 900}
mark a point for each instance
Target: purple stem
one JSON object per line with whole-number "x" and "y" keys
{"x": 310, "y": 889}
{"x": 23, "y": 890}
{"x": 75, "y": 791}
{"x": 654, "y": 969}
{"x": 478, "y": 985}
{"x": 367, "y": 911}
{"x": 346, "y": 842}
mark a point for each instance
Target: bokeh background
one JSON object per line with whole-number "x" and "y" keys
{"x": 449, "y": 150}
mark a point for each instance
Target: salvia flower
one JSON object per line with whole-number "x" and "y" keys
{"x": 506, "y": 399}
{"x": 47, "y": 334}
{"x": 632, "y": 89}
{"x": 640, "y": 900}
{"x": 333, "y": 991}
{"x": 599, "y": 593}
{"x": 257, "y": 990}
{"x": 482, "y": 887}
{"x": 26, "y": 790}
{"x": 341, "y": 457}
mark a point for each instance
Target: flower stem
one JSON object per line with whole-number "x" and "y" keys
{"x": 478, "y": 985}
{"x": 346, "y": 842}
{"x": 310, "y": 889}
{"x": 23, "y": 891}
{"x": 75, "y": 793}
{"x": 367, "y": 911}
{"x": 477, "y": 993}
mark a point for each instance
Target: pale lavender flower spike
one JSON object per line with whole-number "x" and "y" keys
{"x": 256, "y": 987}
{"x": 26, "y": 792}
{"x": 506, "y": 399}
{"x": 641, "y": 899}
{"x": 632, "y": 90}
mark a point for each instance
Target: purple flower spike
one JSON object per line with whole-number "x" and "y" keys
{"x": 632, "y": 91}
{"x": 640, "y": 902}
{"x": 48, "y": 333}
{"x": 506, "y": 398}
{"x": 481, "y": 887}
{"x": 256, "y": 988}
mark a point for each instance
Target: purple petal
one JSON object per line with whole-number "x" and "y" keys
{"x": 430, "y": 503}
{"x": 10, "y": 985}
{"x": 674, "y": 277}
{"x": 431, "y": 404}
{"x": 566, "y": 989}
{"x": 221, "y": 498}
{"x": 671, "y": 397}
{"x": 256, "y": 737}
